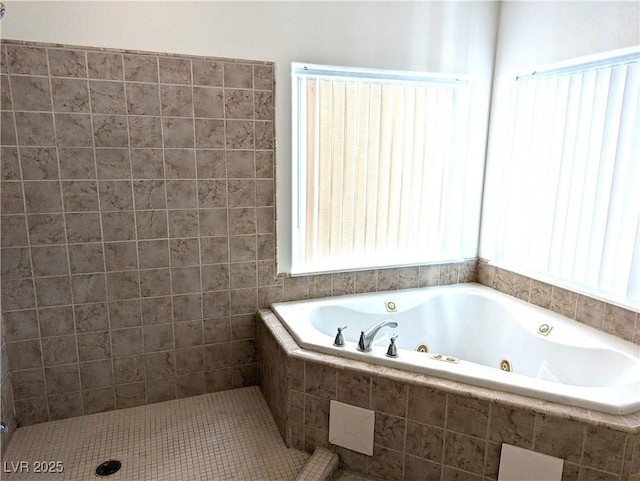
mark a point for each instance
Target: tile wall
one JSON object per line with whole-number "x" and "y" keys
{"x": 138, "y": 231}
{"x": 137, "y": 225}
{"x": 612, "y": 319}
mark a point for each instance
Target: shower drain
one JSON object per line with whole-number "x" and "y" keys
{"x": 108, "y": 468}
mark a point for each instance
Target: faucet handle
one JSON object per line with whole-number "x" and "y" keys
{"x": 362, "y": 345}
{"x": 339, "y": 340}
{"x": 392, "y": 351}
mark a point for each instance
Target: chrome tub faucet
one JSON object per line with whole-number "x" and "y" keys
{"x": 366, "y": 338}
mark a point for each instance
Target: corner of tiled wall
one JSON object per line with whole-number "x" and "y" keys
{"x": 612, "y": 319}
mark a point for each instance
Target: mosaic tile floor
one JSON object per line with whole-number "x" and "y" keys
{"x": 229, "y": 435}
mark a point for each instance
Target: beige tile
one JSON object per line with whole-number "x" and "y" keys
{"x": 190, "y": 359}
{"x": 558, "y": 437}
{"x": 62, "y": 379}
{"x": 8, "y": 129}
{"x": 70, "y": 95}
{"x": 107, "y": 97}
{"x": 126, "y": 342}
{"x": 150, "y": 224}
{"x": 563, "y": 302}
{"x": 77, "y": 163}
{"x": 211, "y": 163}
{"x": 511, "y": 426}
{"x": 239, "y": 134}
{"x": 320, "y": 381}
{"x": 157, "y": 310}
{"x": 207, "y": 72}
{"x": 56, "y": 321}
{"x": 14, "y": 231}
{"x": 80, "y": 196}
{"x": 619, "y": 322}
{"x": 38, "y": 163}
{"x": 180, "y": 163}
{"x": 467, "y": 415}
{"x": 96, "y": 374}
{"x": 65, "y": 405}
{"x": 178, "y": 132}
{"x": 81, "y": 227}
{"x": 105, "y": 65}
{"x": 145, "y": 132}
{"x": 15, "y": 263}
{"x": 208, "y": 102}
{"x": 67, "y": 63}
{"x": 174, "y": 70}
{"x": 128, "y": 369}
{"x": 121, "y": 256}
{"x": 10, "y": 168}
{"x": 110, "y": 131}
{"x": 20, "y": 325}
{"x": 238, "y": 75}
{"x": 74, "y": 130}
{"x": 238, "y": 104}
{"x": 53, "y": 291}
{"x": 464, "y": 452}
{"x": 98, "y": 400}
{"x": 389, "y": 431}
{"x": 42, "y": 197}
{"x": 94, "y": 345}
{"x": 113, "y": 163}
{"x": 189, "y": 307}
{"x": 89, "y": 288}
{"x": 27, "y": 60}
{"x": 140, "y": 68}
{"x": 91, "y": 317}
{"x": 264, "y": 135}
{"x": 147, "y": 163}
{"x": 210, "y": 133}
{"x": 590, "y": 311}
{"x": 389, "y": 396}
{"x": 28, "y": 383}
{"x": 59, "y": 350}
{"x": 176, "y": 100}
{"x": 30, "y": 93}
{"x": 125, "y": 313}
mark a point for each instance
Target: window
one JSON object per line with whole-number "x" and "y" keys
{"x": 569, "y": 203}
{"x": 379, "y": 163}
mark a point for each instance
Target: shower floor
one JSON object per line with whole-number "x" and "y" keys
{"x": 228, "y": 435}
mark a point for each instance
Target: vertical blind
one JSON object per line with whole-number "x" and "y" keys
{"x": 570, "y": 206}
{"x": 377, "y": 162}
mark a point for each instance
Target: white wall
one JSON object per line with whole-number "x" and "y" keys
{"x": 533, "y": 34}
{"x": 457, "y": 37}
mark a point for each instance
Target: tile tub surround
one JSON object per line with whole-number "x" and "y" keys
{"x": 612, "y": 319}
{"x": 430, "y": 428}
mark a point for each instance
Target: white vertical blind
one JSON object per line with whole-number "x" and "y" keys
{"x": 571, "y": 205}
{"x": 375, "y": 161}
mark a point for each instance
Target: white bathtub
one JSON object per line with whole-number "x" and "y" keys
{"x": 480, "y": 328}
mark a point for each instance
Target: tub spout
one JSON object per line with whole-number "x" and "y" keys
{"x": 366, "y": 338}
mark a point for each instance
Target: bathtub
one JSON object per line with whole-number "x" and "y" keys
{"x": 476, "y": 335}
